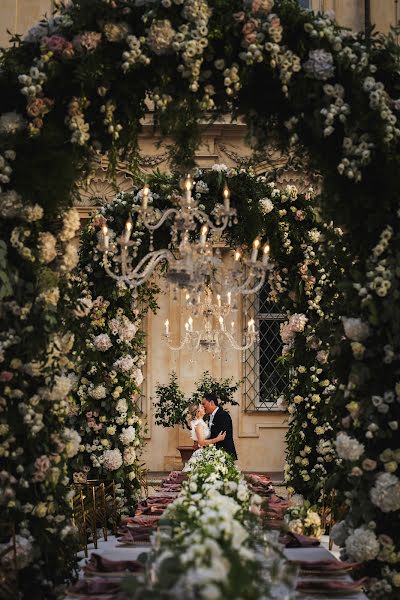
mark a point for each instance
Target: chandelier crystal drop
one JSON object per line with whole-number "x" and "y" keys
{"x": 193, "y": 262}
{"x": 214, "y": 329}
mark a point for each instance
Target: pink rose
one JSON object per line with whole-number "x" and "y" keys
{"x": 261, "y": 6}
{"x": 6, "y": 376}
{"x": 249, "y": 31}
{"x": 299, "y": 216}
{"x": 55, "y": 43}
{"x": 303, "y": 269}
{"x": 88, "y": 40}
{"x": 274, "y": 22}
{"x": 89, "y": 415}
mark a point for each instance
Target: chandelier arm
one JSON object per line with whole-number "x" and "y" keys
{"x": 251, "y": 339}
{"x": 177, "y": 348}
{"x": 168, "y": 213}
{"x": 212, "y": 226}
{"x": 152, "y": 259}
{"x": 244, "y": 290}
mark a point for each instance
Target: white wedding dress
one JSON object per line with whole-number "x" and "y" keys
{"x": 203, "y": 424}
{"x": 193, "y": 435}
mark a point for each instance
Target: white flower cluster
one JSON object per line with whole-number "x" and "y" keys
{"x": 380, "y": 101}
{"x": 5, "y": 169}
{"x": 348, "y": 448}
{"x": 123, "y": 328}
{"x": 112, "y": 459}
{"x": 362, "y": 544}
{"x": 337, "y": 110}
{"x": 76, "y": 121}
{"x": 32, "y": 83}
{"x": 11, "y": 123}
{"x": 135, "y": 54}
{"x": 385, "y": 493}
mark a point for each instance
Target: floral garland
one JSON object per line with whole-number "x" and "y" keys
{"x": 110, "y": 344}
{"x": 212, "y": 552}
{"x": 36, "y": 380}
{"x": 296, "y": 77}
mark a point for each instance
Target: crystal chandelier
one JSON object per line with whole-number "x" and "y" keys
{"x": 214, "y": 329}
{"x": 193, "y": 262}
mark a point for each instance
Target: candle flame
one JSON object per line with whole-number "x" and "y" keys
{"x": 266, "y": 248}
{"x": 145, "y": 190}
{"x": 226, "y": 192}
{"x": 105, "y": 229}
{"x": 256, "y": 244}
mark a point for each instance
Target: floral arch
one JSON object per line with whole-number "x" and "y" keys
{"x": 79, "y": 83}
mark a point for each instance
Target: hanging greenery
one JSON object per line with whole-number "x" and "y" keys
{"x": 79, "y": 82}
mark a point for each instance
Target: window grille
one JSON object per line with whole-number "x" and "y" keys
{"x": 265, "y": 379}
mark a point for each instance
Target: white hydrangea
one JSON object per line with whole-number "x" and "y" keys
{"x": 99, "y": 392}
{"x": 347, "y": 447}
{"x": 102, "y": 342}
{"x": 70, "y": 258}
{"x": 128, "y": 435}
{"x": 112, "y": 459}
{"x": 125, "y": 364}
{"x": 11, "y": 122}
{"x": 71, "y": 224}
{"x": 386, "y": 492}
{"x": 266, "y": 205}
{"x": 355, "y": 329}
{"x": 61, "y": 387}
{"x": 121, "y": 406}
{"x": 362, "y": 545}
{"x": 72, "y": 441}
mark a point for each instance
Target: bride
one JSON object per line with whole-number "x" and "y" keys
{"x": 200, "y": 431}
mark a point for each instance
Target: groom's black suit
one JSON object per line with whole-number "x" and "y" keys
{"x": 222, "y": 422}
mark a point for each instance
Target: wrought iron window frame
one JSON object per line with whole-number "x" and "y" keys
{"x": 251, "y": 389}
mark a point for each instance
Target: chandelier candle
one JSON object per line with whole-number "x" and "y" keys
{"x": 145, "y": 196}
{"x": 106, "y": 239}
{"x": 226, "y": 194}
{"x": 254, "y": 254}
{"x": 167, "y": 327}
{"x": 203, "y": 235}
{"x": 266, "y": 254}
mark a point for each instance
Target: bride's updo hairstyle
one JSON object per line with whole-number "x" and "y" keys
{"x": 192, "y": 412}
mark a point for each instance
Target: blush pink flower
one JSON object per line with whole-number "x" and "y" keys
{"x": 88, "y": 41}
{"x": 55, "y": 43}
{"x": 6, "y": 376}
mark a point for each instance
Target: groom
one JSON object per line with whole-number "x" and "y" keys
{"x": 220, "y": 420}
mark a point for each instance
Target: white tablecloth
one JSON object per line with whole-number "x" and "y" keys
{"x": 111, "y": 550}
